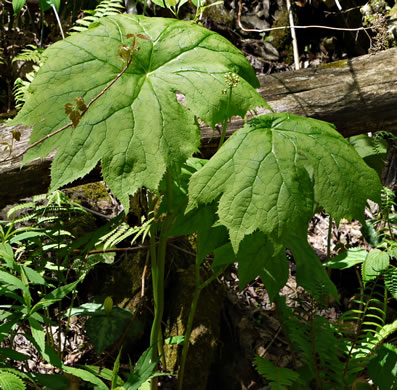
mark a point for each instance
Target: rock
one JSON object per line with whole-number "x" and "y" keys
{"x": 261, "y": 49}
{"x": 254, "y": 22}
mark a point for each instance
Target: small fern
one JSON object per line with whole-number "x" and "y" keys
{"x": 31, "y": 53}
{"x": 47, "y": 208}
{"x": 381, "y": 135}
{"x": 387, "y": 201}
{"x": 278, "y": 377}
{"x": 104, "y": 8}
{"x": 315, "y": 339}
{"x": 369, "y": 331}
{"x": 20, "y": 90}
{"x": 390, "y": 278}
{"x": 124, "y": 231}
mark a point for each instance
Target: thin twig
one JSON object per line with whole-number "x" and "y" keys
{"x": 274, "y": 338}
{"x": 286, "y": 27}
{"x": 43, "y": 139}
{"x": 144, "y": 273}
{"x": 110, "y": 250}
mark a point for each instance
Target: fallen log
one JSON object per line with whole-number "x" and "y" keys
{"x": 358, "y": 95}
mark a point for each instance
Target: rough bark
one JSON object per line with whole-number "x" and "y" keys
{"x": 358, "y": 96}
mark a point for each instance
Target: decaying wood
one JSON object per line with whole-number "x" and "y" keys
{"x": 358, "y": 96}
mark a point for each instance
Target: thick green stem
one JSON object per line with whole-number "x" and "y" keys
{"x": 224, "y": 126}
{"x": 189, "y": 326}
{"x": 158, "y": 296}
{"x": 154, "y": 267}
{"x": 158, "y": 270}
{"x": 196, "y": 295}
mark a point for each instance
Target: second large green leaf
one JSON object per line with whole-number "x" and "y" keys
{"x": 276, "y": 171}
{"x": 137, "y": 128}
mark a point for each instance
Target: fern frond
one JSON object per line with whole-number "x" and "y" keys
{"x": 370, "y": 331}
{"x": 31, "y": 53}
{"x": 124, "y": 231}
{"x": 20, "y": 90}
{"x": 316, "y": 339}
{"x": 47, "y": 208}
{"x": 390, "y": 278}
{"x": 25, "y": 206}
{"x": 278, "y": 377}
{"x": 104, "y": 8}
{"x": 385, "y": 331}
{"x": 329, "y": 350}
{"x": 387, "y": 201}
{"x": 380, "y": 135}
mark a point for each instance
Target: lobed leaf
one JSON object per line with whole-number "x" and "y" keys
{"x": 137, "y": 128}
{"x": 272, "y": 174}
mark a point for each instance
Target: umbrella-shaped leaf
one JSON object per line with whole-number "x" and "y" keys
{"x": 272, "y": 175}
{"x": 137, "y": 128}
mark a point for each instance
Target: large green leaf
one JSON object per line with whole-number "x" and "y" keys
{"x": 137, "y": 128}
{"x": 272, "y": 174}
